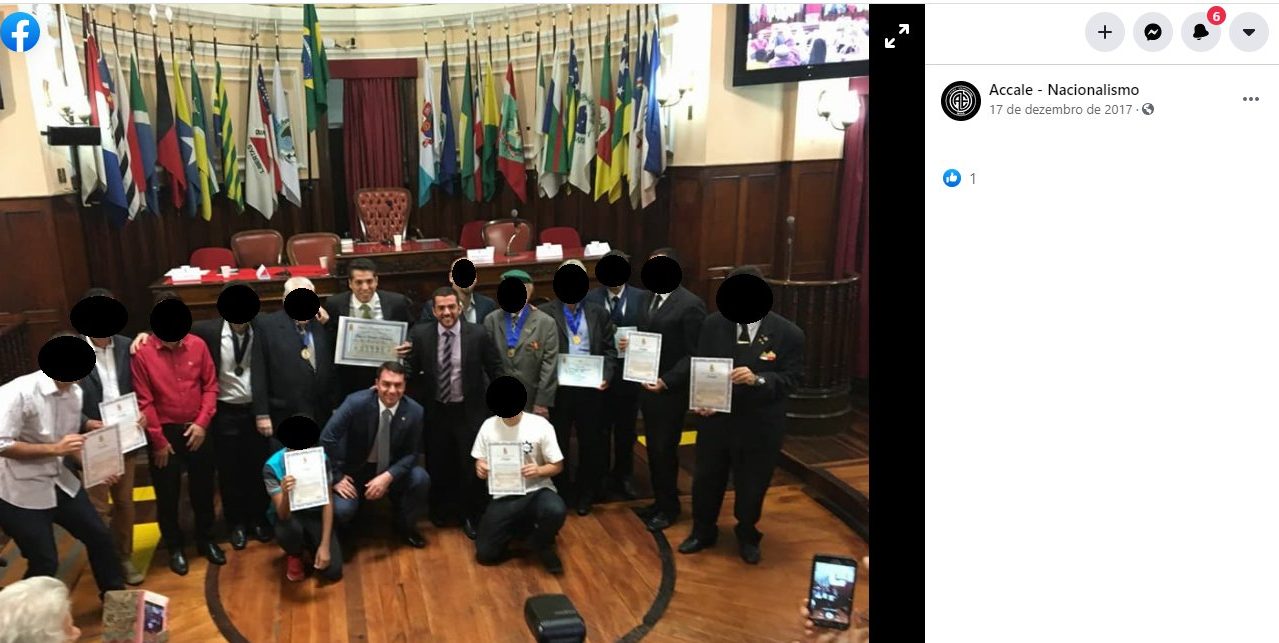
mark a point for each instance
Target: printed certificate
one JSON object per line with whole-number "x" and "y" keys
{"x": 368, "y": 342}
{"x": 586, "y": 371}
{"x": 100, "y": 457}
{"x": 710, "y": 384}
{"x": 124, "y": 412}
{"x": 505, "y": 461}
{"x": 643, "y": 357}
{"x": 310, "y": 476}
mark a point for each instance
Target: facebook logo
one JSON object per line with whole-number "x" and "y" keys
{"x": 19, "y": 32}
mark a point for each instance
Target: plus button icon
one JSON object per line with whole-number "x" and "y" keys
{"x": 1105, "y": 32}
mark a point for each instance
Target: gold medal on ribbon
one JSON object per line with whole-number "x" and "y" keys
{"x": 306, "y": 354}
{"x": 510, "y": 352}
{"x": 577, "y": 339}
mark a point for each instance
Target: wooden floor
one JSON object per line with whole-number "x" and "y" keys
{"x": 613, "y": 575}
{"x": 854, "y": 473}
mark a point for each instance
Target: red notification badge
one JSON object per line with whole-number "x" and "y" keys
{"x": 1216, "y": 15}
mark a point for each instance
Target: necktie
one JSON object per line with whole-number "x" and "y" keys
{"x": 445, "y": 376}
{"x": 616, "y": 310}
{"x": 744, "y": 337}
{"x": 384, "y": 442}
{"x": 657, "y": 302}
{"x": 365, "y": 311}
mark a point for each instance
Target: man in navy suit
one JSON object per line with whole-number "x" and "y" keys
{"x": 472, "y": 306}
{"x": 110, "y": 379}
{"x": 372, "y": 442}
{"x": 621, "y": 400}
{"x": 365, "y": 300}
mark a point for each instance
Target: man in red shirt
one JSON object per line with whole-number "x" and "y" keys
{"x": 177, "y": 388}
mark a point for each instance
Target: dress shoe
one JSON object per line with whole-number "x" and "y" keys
{"x": 584, "y": 505}
{"x": 131, "y": 574}
{"x": 413, "y": 537}
{"x": 468, "y": 528}
{"x": 659, "y": 521}
{"x": 238, "y": 538}
{"x": 178, "y": 562}
{"x": 646, "y": 511}
{"x": 749, "y": 552}
{"x": 693, "y": 544}
{"x": 264, "y": 532}
{"x": 551, "y": 560}
{"x": 212, "y": 552}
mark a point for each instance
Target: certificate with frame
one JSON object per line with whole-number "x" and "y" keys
{"x": 506, "y": 460}
{"x": 124, "y": 411}
{"x": 585, "y": 371}
{"x": 368, "y": 342}
{"x": 643, "y": 357}
{"x": 310, "y": 476}
{"x": 100, "y": 457}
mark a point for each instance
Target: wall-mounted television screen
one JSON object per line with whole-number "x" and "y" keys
{"x": 782, "y": 43}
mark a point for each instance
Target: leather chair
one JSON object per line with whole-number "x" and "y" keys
{"x": 212, "y": 258}
{"x": 563, "y": 235}
{"x": 305, "y": 249}
{"x": 499, "y": 232}
{"x": 472, "y": 237}
{"x": 253, "y": 248}
{"x": 384, "y": 212}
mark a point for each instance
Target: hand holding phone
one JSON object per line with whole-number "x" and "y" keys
{"x": 830, "y": 591}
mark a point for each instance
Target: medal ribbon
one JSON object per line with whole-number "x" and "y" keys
{"x": 513, "y": 331}
{"x": 574, "y": 321}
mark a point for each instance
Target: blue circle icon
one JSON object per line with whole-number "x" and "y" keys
{"x": 20, "y": 31}
{"x": 951, "y": 178}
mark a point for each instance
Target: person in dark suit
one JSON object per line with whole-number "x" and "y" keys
{"x": 585, "y": 329}
{"x": 109, "y": 379}
{"x": 293, "y": 372}
{"x": 451, "y": 364}
{"x": 621, "y": 400}
{"x": 677, "y": 316}
{"x": 474, "y": 306}
{"x": 365, "y": 301}
{"x": 768, "y": 363}
{"x": 372, "y": 443}
{"x": 240, "y": 447}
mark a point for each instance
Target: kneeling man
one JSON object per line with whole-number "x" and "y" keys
{"x": 372, "y": 442}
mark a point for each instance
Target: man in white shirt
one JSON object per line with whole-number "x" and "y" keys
{"x": 539, "y": 512}
{"x": 40, "y": 425}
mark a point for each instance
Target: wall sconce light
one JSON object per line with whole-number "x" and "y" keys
{"x": 846, "y": 111}
{"x": 665, "y": 99}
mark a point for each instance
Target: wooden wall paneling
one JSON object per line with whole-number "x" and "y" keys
{"x": 813, "y": 201}
{"x": 760, "y": 217}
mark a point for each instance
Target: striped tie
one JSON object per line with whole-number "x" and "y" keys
{"x": 445, "y": 375}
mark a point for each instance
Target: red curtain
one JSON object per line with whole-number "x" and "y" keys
{"x": 371, "y": 137}
{"x": 852, "y": 247}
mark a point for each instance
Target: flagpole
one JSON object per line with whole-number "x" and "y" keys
{"x": 133, "y": 14}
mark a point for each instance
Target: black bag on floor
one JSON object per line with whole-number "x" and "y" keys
{"x": 553, "y": 619}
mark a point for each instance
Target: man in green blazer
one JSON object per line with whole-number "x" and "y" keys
{"x": 528, "y": 343}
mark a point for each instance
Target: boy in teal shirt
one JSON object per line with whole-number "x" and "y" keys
{"x": 308, "y": 532}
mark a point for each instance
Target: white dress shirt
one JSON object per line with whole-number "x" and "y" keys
{"x": 375, "y": 304}
{"x": 34, "y": 411}
{"x": 106, "y": 369}
{"x": 752, "y": 329}
{"x": 232, "y": 388}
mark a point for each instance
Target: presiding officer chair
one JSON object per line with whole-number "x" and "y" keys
{"x": 253, "y": 248}
{"x": 384, "y": 212}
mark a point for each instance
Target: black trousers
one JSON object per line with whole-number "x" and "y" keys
{"x": 168, "y": 484}
{"x": 32, "y": 530}
{"x": 752, "y": 470}
{"x": 303, "y": 531}
{"x": 408, "y": 494}
{"x": 663, "y": 424}
{"x": 240, "y": 452}
{"x": 581, "y": 410}
{"x": 621, "y": 404}
{"x": 455, "y": 489}
{"x": 538, "y": 515}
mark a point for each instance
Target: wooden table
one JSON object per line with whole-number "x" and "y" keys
{"x": 415, "y": 271}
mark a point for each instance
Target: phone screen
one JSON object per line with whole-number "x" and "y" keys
{"x": 830, "y": 594}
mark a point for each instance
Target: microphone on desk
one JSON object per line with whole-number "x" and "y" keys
{"x": 418, "y": 231}
{"x": 509, "y": 252}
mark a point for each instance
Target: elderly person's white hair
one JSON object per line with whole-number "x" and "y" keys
{"x": 574, "y": 262}
{"x": 294, "y": 283}
{"x": 36, "y": 610}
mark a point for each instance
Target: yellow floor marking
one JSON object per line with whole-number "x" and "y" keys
{"x": 686, "y": 438}
{"x": 145, "y": 538}
{"x": 143, "y": 494}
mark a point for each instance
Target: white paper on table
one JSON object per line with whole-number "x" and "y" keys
{"x": 710, "y": 384}
{"x": 597, "y": 249}
{"x": 100, "y": 457}
{"x": 123, "y": 411}
{"x": 643, "y": 357}
{"x": 506, "y": 459}
{"x": 310, "y": 478}
{"x": 480, "y": 255}
{"x": 550, "y": 251}
{"x": 262, "y": 273}
{"x": 586, "y": 371}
